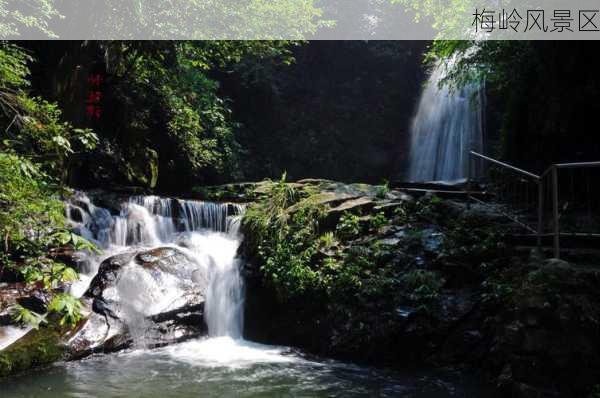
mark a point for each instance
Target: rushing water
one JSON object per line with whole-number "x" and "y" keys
{"x": 222, "y": 364}
{"x": 448, "y": 124}
{"x": 206, "y": 232}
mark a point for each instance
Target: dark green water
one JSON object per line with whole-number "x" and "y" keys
{"x": 226, "y": 368}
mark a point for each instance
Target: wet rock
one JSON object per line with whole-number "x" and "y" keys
{"x": 75, "y": 214}
{"x": 97, "y": 333}
{"x": 151, "y": 297}
{"x": 107, "y": 273}
{"x": 163, "y": 258}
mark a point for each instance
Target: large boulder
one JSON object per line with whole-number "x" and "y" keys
{"x": 149, "y": 297}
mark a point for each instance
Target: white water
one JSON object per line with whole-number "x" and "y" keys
{"x": 448, "y": 124}
{"x": 221, "y": 365}
{"x": 210, "y": 237}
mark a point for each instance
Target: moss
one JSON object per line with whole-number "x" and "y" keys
{"x": 39, "y": 347}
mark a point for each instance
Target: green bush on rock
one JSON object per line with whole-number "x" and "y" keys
{"x": 357, "y": 270}
{"x": 32, "y": 226}
{"x": 303, "y": 255}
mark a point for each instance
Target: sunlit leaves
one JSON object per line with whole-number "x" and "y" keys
{"x": 25, "y": 317}
{"x": 36, "y": 16}
{"x": 34, "y": 126}
{"x": 66, "y": 237}
{"x": 68, "y": 307}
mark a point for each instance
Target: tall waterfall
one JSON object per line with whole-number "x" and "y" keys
{"x": 448, "y": 123}
{"x": 208, "y": 233}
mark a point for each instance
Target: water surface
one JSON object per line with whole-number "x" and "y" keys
{"x": 224, "y": 367}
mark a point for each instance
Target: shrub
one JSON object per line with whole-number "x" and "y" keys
{"x": 379, "y": 220}
{"x": 349, "y": 226}
{"x": 68, "y": 307}
{"x": 422, "y": 286}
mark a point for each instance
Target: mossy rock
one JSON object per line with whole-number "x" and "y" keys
{"x": 38, "y": 347}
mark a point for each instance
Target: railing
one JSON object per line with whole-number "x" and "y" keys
{"x": 558, "y": 203}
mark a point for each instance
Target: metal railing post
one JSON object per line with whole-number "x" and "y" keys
{"x": 555, "y": 211}
{"x": 540, "y": 226}
{"x": 469, "y": 166}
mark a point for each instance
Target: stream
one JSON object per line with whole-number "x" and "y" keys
{"x": 221, "y": 364}
{"x": 223, "y": 367}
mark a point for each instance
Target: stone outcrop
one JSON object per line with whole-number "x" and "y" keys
{"x": 114, "y": 323}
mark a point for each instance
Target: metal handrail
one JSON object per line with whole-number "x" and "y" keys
{"x": 577, "y": 164}
{"x": 540, "y": 181}
{"x": 506, "y": 165}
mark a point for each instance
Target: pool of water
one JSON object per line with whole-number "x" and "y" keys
{"x": 223, "y": 367}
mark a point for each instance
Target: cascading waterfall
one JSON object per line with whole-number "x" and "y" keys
{"x": 448, "y": 123}
{"x": 208, "y": 233}
{"x": 205, "y": 237}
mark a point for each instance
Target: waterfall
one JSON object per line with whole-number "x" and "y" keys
{"x": 207, "y": 233}
{"x": 448, "y": 123}
{"x": 149, "y": 220}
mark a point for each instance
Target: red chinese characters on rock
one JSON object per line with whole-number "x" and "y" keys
{"x": 93, "y": 108}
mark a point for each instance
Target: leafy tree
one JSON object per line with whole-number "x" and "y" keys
{"x": 36, "y": 148}
{"x": 170, "y": 103}
{"x": 190, "y": 19}
{"x": 36, "y": 17}
{"x": 33, "y": 125}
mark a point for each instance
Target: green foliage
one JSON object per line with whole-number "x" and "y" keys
{"x": 401, "y": 215}
{"x": 349, "y": 226}
{"x": 68, "y": 307}
{"x": 25, "y": 317}
{"x": 195, "y": 19}
{"x": 382, "y": 190}
{"x": 32, "y": 224}
{"x": 286, "y": 229}
{"x": 13, "y": 68}
{"x": 271, "y": 215}
{"x": 36, "y": 17}
{"x": 173, "y": 106}
{"x": 66, "y": 237}
{"x": 427, "y": 208}
{"x": 327, "y": 240}
{"x": 44, "y": 270}
{"x": 34, "y": 128}
{"x": 473, "y": 241}
{"x": 291, "y": 250}
{"x": 378, "y": 221}
{"x": 422, "y": 286}
{"x": 29, "y": 207}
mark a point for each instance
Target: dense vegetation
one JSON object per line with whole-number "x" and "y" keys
{"x": 195, "y": 19}
{"x": 347, "y": 273}
{"x": 36, "y": 149}
{"x": 370, "y": 274}
{"x": 228, "y": 111}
